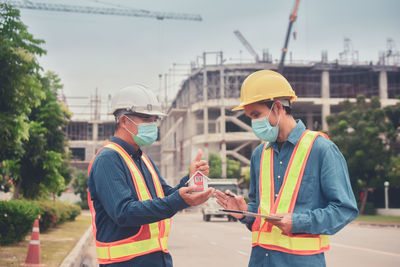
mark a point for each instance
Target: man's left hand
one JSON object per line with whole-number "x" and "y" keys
{"x": 199, "y": 165}
{"x": 285, "y": 224}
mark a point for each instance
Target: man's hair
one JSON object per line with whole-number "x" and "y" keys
{"x": 269, "y": 103}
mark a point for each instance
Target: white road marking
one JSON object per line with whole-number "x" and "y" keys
{"x": 246, "y": 238}
{"x": 195, "y": 236}
{"x": 367, "y": 250}
{"x": 213, "y": 243}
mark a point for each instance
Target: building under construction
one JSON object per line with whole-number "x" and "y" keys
{"x": 200, "y": 114}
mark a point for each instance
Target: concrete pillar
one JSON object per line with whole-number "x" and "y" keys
{"x": 95, "y": 137}
{"x": 326, "y": 111}
{"x": 205, "y": 108}
{"x": 325, "y": 94}
{"x": 95, "y": 131}
{"x": 383, "y": 85}
{"x": 222, "y": 121}
{"x": 310, "y": 120}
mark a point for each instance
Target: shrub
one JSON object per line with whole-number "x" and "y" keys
{"x": 56, "y": 212}
{"x": 369, "y": 208}
{"x": 16, "y": 220}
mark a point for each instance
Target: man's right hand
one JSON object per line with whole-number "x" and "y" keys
{"x": 231, "y": 202}
{"x": 197, "y": 198}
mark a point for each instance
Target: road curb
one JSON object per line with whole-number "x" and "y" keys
{"x": 79, "y": 252}
{"x": 380, "y": 225}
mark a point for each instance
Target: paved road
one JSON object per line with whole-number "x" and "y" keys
{"x": 195, "y": 243}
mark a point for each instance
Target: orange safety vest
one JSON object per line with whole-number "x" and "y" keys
{"x": 265, "y": 234}
{"x": 151, "y": 237}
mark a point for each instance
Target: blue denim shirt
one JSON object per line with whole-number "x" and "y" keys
{"x": 325, "y": 203}
{"x": 119, "y": 213}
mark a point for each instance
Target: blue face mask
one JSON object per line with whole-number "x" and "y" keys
{"x": 263, "y": 129}
{"x": 147, "y": 133}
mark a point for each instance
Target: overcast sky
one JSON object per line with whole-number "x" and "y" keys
{"x": 111, "y": 52}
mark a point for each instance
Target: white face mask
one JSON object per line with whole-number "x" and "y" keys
{"x": 147, "y": 133}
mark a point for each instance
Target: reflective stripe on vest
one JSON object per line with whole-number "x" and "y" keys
{"x": 151, "y": 237}
{"x": 269, "y": 236}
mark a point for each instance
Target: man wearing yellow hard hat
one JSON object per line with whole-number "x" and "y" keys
{"x": 296, "y": 174}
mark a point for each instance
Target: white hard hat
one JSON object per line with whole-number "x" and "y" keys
{"x": 136, "y": 99}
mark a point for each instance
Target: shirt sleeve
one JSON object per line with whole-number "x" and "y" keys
{"x": 108, "y": 184}
{"x": 168, "y": 190}
{"x": 252, "y": 205}
{"x": 336, "y": 189}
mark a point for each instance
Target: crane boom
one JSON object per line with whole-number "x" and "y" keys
{"x": 292, "y": 19}
{"x": 246, "y": 44}
{"x": 104, "y": 11}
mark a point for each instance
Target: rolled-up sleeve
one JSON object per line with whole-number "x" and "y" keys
{"x": 120, "y": 201}
{"x": 252, "y": 206}
{"x": 341, "y": 207}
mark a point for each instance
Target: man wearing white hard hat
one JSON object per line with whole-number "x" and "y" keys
{"x": 129, "y": 201}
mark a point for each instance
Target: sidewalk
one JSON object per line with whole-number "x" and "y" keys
{"x": 84, "y": 252}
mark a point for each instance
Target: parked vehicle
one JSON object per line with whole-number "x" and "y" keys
{"x": 211, "y": 207}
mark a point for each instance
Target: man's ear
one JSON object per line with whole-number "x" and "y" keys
{"x": 278, "y": 105}
{"x": 121, "y": 121}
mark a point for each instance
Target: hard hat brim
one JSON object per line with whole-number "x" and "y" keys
{"x": 242, "y": 105}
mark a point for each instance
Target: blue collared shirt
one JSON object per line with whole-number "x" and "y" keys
{"x": 325, "y": 203}
{"x": 119, "y": 213}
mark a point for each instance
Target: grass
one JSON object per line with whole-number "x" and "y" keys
{"x": 55, "y": 244}
{"x": 378, "y": 219}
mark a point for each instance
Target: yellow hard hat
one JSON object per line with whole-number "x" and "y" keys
{"x": 264, "y": 85}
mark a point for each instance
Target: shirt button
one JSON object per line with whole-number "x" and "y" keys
{"x": 276, "y": 195}
{"x": 281, "y": 162}
{"x": 266, "y": 254}
{"x": 279, "y": 177}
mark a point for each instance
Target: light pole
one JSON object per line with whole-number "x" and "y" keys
{"x": 386, "y": 194}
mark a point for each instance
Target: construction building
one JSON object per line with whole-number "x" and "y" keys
{"x": 200, "y": 114}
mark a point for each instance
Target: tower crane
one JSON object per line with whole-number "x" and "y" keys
{"x": 130, "y": 12}
{"x": 292, "y": 19}
{"x": 246, "y": 44}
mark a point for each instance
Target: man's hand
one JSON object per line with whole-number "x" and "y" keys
{"x": 199, "y": 165}
{"x": 231, "y": 202}
{"x": 285, "y": 224}
{"x": 196, "y": 198}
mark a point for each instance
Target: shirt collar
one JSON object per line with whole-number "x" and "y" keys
{"x": 294, "y": 135}
{"x": 127, "y": 147}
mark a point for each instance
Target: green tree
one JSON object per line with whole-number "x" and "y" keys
{"x": 364, "y": 134}
{"x": 80, "y": 186}
{"x": 43, "y": 168}
{"x": 232, "y": 168}
{"x": 246, "y": 177}
{"x": 32, "y": 144}
{"x": 393, "y": 113}
{"x": 20, "y": 90}
{"x": 215, "y": 163}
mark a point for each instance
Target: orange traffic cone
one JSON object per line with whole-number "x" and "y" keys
{"x": 33, "y": 257}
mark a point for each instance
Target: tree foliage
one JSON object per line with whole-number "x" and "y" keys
{"x": 80, "y": 186}
{"x": 215, "y": 163}
{"x": 43, "y": 167}
{"x": 32, "y": 144}
{"x": 365, "y": 135}
{"x": 20, "y": 89}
